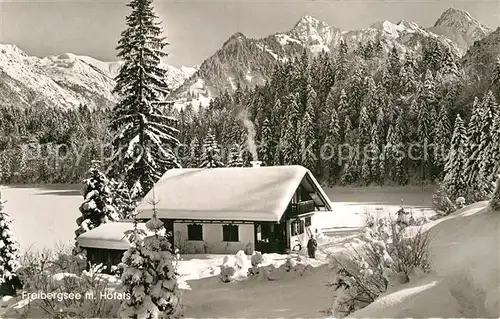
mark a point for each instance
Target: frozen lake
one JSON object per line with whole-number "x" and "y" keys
{"x": 45, "y": 215}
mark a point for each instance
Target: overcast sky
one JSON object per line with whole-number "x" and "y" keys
{"x": 197, "y": 28}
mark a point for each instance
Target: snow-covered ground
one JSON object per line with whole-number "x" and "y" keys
{"x": 43, "y": 216}
{"x": 464, "y": 250}
{"x": 465, "y": 254}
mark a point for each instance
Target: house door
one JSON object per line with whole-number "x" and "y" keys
{"x": 269, "y": 237}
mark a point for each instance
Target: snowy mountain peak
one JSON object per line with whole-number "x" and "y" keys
{"x": 12, "y": 50}
{"x": 394, "y": 31}
{"x": 453, "y": 15}
{"x": 236, "y": 37}
{"x": 461, "y": 21}
{"x": 66, "y": 80}
{"x": 307, "y": 19}
{"x": 460, "y": 27}
{"x": 312, "y": 31}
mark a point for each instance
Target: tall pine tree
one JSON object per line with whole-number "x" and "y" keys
{"x": 331, "y": 144}
{"x": 474, "y": 139}
{"x": 143, "y": 136}
{"x": 453, "y": 182}
{"x": 487, "y": 165}
{"x": 442, "y": 139}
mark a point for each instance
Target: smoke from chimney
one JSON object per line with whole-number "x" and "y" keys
{"x": 251, "y": 146}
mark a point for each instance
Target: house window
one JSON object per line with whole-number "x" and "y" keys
{"x": 195, "y": 232}
{"x": 230, "y": 233}
{"x": 297, "y": 226}
{"x": 308, "y": 221}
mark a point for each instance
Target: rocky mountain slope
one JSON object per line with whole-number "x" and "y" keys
{"x": 250, "y": 61}
{"x": 460, "y": 27}
{"x": 481, "y": 57}
{"x": 67, "y": 80}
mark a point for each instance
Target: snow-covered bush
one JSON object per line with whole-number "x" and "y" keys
{"x": 235, "y": 267}
{"x": 388, "y": 255}
{"x": 43, "y": 271}
{"x": 227, "y": 273}
{"x": 495, "y": 199}
{"x": 256, "y": 259}
{"x": 9, "y": 254}
{"x": 442, "y": 203}
{"x": 460, "y": 202}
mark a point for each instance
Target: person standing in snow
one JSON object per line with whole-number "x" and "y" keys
{"x": 312, "y": 244}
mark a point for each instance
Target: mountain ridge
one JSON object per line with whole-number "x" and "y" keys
{"x": 217, "y": 75}
{"x": 67, "y": 80}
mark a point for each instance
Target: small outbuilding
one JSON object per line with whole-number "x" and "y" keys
{"x": 107, "y": 243}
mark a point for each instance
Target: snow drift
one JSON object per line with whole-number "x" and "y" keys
{"x": 464, "y": 279}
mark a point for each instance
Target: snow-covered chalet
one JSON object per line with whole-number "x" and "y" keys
{"x": 223, "y": 210}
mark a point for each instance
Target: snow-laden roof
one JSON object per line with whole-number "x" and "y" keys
{"x": 239, "y": 194}
{"x": 109, "y": 235}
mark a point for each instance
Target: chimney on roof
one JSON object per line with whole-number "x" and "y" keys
{"x": 255, "y": 163}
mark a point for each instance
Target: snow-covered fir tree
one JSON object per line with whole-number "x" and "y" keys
{"x": 332, "y": 141}
{"x": 407, "y": 81}
{"x": 442, "y": 138}
{"x": 489, "y": 166}
{"x": 364, "y": 127}
{"x": 9, "y": 250}
{"x": 364, "y": 131}
{"x": 342, "y": 106}
{"x": 394, "y": 155}
{"x": 486, "y": 162}
{"x": 235, "y": 158}
{"x": 306, "y": 133}
{"x": 371, "y": 99}
{"x": 194, "y": 159}
{"x": 349, "y": 135}
{"x": 473, "y": 140}
{"x": 342, "y": 62}
{"x": 350, "y": 156}
{"x": 454, "y": 183}
{"x": 122, "y": 199}
{"x": 150, "y": 277}
{"x": 374, "y": 154}
{"x": 144, "y": 137}
{"x": 449, "y": 65}
{"x": 289, "y": 141}
{"x": 97, "y": 207}
{"x": 211, "y": 156}
{"x": 266, "y": 144}
{"x": 351, "y": 169}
